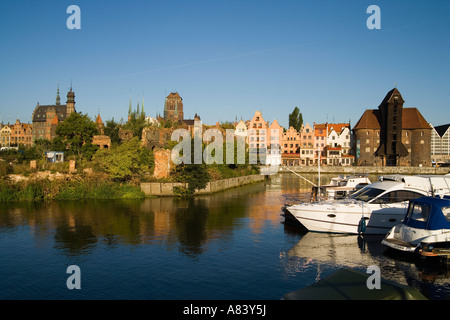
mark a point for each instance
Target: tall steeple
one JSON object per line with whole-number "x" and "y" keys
{"x": 58, "y": 99}
{"x": 70, "y": 101}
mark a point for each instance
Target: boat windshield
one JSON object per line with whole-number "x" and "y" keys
{"x": 418, "y": 212}
{"x": 366, "y": 194}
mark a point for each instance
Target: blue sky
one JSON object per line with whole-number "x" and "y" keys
{"x": 226, "y": 58}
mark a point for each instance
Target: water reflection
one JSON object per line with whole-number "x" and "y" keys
{"x": 185, "y": 224}
{"x": 234, "y": 239}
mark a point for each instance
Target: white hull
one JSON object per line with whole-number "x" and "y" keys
{"x": 344, "y": 217}
{"x": 382, "y": 205}
{"x": 408, "y": 239}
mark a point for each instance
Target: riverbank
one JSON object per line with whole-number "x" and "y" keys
{"x": 66, "y": 187}
{"x": 171, "y": 189}
{"x": 47, "y": 185}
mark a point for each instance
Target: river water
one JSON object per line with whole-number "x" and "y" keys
{"x": 233, "y": 245}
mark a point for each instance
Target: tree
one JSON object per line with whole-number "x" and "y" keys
{"x": 124, "y": 161}
{"x": 136, "y": 124}
{"x": 196, "y": 175}
{"x": 296, "y": 119}
{"x": 112, "y": 131}
{"x": 76, "y": 133}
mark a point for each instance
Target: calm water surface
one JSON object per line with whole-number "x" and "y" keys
{"x": 231, "y": 245}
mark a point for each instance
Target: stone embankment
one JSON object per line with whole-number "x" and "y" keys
{"x": 167, "y": 188}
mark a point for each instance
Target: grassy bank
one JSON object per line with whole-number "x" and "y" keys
{"x": 45, "y": 189}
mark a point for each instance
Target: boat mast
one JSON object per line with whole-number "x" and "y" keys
{"x": 318, "y": 183}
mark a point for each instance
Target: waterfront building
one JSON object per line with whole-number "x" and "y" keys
{"x": 257, "y": 132}
{"x": 339, "y": 144}
{"x": 320, "y": 142}
{"x": 291, "y": 141}
{"x": 5, "y": 136}
{"x": 241, "y": 130}
{"x": 440, "y": 143}
{"x": 307, "y": 145}
{"x": 21, "y": 134}
{"x": 290, "y": 146}
{"x": 275, "y": 136}
{"x": 392, "y": 135}
{"x": 47, "y": 117}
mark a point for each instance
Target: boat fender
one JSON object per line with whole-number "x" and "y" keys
{"x": 362, "y": 225}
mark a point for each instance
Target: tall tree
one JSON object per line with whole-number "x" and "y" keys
{"x": 112, "y": 130}
{"x": 76, "y": 133}
{"x": 296, "y": 119}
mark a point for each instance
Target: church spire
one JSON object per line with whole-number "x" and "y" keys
{"x": 58, "y": 99}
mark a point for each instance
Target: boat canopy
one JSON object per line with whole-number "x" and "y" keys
{"x": 428, "y": 213}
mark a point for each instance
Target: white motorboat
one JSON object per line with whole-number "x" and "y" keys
{"x": 340, "y": 187}
{"x": 426, "y": 225}
{"x": 374, "y": 209}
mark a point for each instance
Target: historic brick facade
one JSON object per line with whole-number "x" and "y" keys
{"x": 21, "y": 134}
{"x": 173, "y": 108}
{"x": 392, "y": 135}
{"x": 47, "y": 117}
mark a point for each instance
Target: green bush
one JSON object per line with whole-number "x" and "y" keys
{"x": 125, "y": 161}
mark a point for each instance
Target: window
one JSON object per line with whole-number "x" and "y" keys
{"x": 446, "y": 212}
{"x": 397, "y": 196}
{"x": 418, "y": 212}
{"x": 366, "y": 194}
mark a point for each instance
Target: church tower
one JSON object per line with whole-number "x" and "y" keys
{"x": 70, "y": 102}
{"x": 173, "y": 107}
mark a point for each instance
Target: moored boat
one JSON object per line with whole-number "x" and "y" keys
{"x": 374, "y": 209}
{"x": 340, "y": 187}
{"x": 426, "y": 227}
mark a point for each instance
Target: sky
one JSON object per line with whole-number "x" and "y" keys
{"x": 227, "y": 59}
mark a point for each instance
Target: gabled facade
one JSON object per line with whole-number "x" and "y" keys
{"x": 5, "y": 136}
{"x": 21, "y": 134}
{"x": 275, "y": 136}
{"x": 307, "y": 145}
{"x": 257, "y": 132}
{"x": 392, "y": 135}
